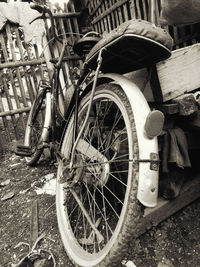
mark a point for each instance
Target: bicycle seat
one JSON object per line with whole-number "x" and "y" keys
{"x": 85, "y": 44}
{"x": 133, "y": 45}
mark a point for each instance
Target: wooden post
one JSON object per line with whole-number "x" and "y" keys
{"x": 34, "y": 228}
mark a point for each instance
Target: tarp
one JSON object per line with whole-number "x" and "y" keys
{"x": 21, "y": 13}
{"x": 179, "y": 12}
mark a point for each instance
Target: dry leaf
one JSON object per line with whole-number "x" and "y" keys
{"x": 4, "y": 183}
{"x": 7, "y": 196}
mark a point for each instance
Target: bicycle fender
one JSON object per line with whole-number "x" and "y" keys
{"x": 148, "y": 178}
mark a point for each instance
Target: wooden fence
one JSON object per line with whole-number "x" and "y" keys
{"x": 105, "y": 15}
{"x": 21, "y": 68}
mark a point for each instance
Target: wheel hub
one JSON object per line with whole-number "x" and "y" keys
{"x": 97, "y": 173}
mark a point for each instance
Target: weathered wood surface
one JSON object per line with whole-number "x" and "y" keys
{"x": 187, "y": 104}
{"x": 34, "y": 225}
{"x": 164, "y": 209}
{"x": 180, "y": 73}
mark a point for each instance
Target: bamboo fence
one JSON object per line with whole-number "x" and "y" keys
{"x": 22, "y": 67}
{"x": 105, "y": 15}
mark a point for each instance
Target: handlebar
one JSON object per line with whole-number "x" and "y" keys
{"x": 41, "y": 8}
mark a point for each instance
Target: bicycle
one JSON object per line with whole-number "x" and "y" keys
{"x": 46, "y": 119}
{"x": 108, "y": 160}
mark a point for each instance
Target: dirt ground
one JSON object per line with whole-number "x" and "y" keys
{"x": 175, "y": 242}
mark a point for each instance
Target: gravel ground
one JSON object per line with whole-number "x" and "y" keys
{"x": 174, "y": 242}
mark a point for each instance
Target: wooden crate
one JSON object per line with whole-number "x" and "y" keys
{"x": 180, "y": 73}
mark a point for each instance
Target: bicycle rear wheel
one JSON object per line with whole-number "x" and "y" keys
{"x": 97, "y": 207}
{"x": 34, "y": 129}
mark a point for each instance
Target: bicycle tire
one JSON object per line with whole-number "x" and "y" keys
{"x": 107, "y": 191}
{"x": 34, "y": 128}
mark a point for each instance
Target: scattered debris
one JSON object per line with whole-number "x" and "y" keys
{"x": 41, "y": 263}
{"x": 5, "y": 183}
{"x": 8, "y": 196}
{"x": 160, "y": 264}
{"x": 24, "y": 191}
{"x": 48, "y": 188}
{"x": 15, "y": 165}
{"x": 22, "y": 243}
{"x": 36, "y": 255}
{"x": 49, "y": 176}
{"x": 128, "y": 263}
{"x": 165, "y": 263}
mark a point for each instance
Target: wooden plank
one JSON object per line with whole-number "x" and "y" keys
{"x": 138, "y": 11}
{"x": 33, "y": 71}
{"x": 14, "y": 58}
{"x": 108, "y": 16}
{"x": 116, "y": 14}
{"x": 27, "y": 81}
{"x": 164, "y": 209}
{"x": 112, "y": 15}
{"x": 10, "y": 106}
{"x": 5, "y": 54}
{"x": 145, "y": 10}
{"x": 132, "y": 9}
{"x": 169, "y": 109}
{"x": 89, "y": 6}
{"x": 101, "y": 22}
{"x": 72, "y": 14}
{"x": 125, "y": 11}
{"x": 105, "y": 19}
{"x": 5, "y": 123}
{"x": 74, "y": 19}
{"x": 98, "y": 5}
{"x": 152, "y": 12}
{"x": 120, "y": 15}
{"x": 34, "y": 227}
{"x": 180, "y": 73}
{"x": 22, "y": 63}
{"x": 187, "y": 104}
{"x": 15, "y": 111}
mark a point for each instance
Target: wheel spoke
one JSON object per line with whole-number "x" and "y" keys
{"x": 100, "y": 211}
{"x": 98, "y": 234}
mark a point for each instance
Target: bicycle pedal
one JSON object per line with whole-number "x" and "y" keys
{"x": 22, "y": 150}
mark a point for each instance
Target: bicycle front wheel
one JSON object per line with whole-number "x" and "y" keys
{"x": 97, "y": 207}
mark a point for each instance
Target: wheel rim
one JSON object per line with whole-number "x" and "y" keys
{"x": 105, "y": 200}
{"x": 33, "y": 132}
